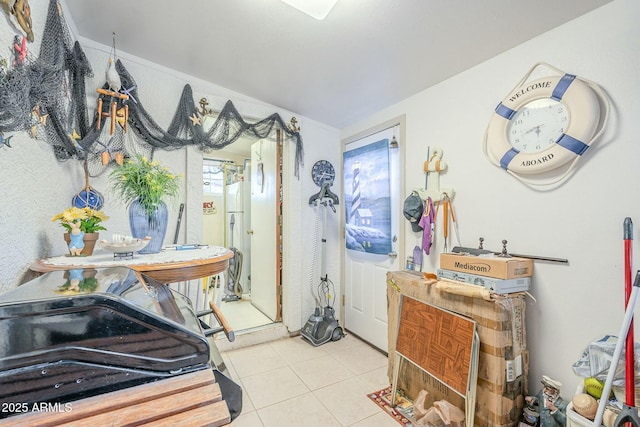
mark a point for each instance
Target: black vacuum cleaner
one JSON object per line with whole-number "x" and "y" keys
{"x": 322, "y": 325}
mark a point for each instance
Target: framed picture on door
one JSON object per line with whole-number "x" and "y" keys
{"x": 367, "y": 198}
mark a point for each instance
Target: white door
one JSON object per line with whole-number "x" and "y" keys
{"x": 245, "y": 225}
{"x": 264, "y": 247}
{"x": 370, "y": 212}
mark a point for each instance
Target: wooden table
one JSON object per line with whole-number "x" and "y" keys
{"x": 166, "y": 266}
{"x": 169, "y": 266}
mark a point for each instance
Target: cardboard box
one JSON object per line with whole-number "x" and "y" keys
{"x": 489, "y": 266}
{"x": 499, "y": 286}
{"x": 503, "y": 361}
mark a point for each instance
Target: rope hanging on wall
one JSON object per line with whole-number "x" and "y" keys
{"x": 47, "y": 97}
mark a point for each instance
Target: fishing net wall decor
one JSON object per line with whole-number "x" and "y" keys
{"x": 46, "y": 96}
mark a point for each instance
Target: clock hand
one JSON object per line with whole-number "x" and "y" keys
{"x": 538, "y": 130}
{"x": 325, "y": 174}
{"x": 535, "y": 129}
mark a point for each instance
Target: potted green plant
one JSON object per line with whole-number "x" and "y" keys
{"x": 144, "y": 185}
{"x": 82, "y": 224}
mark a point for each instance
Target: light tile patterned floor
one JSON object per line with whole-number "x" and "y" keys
{"x": 292, "y": 383}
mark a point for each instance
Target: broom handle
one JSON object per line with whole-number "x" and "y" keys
{"x": 175, "y": 238}
{"x": 628, "y": 317}
{"x": 630, "y": 347}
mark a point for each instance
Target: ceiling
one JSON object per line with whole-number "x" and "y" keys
{"x": 366, "y": 55}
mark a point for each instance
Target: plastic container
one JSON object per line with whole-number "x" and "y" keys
{"x": 620, "y": 392}
{"x": 576, "y": 420}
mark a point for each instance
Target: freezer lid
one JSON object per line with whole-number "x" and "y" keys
{"x": 118, "y": 283}
{"x": 102, "y": 316}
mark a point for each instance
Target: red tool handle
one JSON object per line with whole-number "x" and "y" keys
{"x": 629, "y": 345}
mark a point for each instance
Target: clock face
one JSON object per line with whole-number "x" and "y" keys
{"x": 537, "y": 125}
{"x": 322, "y": 171}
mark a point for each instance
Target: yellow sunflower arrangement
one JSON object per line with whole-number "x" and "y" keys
{"x": 90, "y": 219}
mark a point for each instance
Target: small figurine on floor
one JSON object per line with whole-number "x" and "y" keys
{"x": 76, "y": 236}
{"x": 552, "y": 407}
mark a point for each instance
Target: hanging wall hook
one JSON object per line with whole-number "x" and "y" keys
{"x": 433, "y": 167}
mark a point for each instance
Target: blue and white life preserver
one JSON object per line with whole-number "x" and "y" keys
{"x": 581, "y": 102}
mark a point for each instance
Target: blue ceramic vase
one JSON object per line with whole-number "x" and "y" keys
{"x": 143, "y": 224}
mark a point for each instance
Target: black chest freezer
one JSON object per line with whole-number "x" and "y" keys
{"x": 72, "y": 334}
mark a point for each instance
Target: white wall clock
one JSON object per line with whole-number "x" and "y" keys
{"x": 545, "y": 124}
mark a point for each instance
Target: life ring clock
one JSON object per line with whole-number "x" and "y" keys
{"x": 544, "y": 124}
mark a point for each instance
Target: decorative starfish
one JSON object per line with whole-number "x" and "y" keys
{"x": 74, "y": 138}
{"x": 128, "y": 92}
{"x": 195, "y": 120}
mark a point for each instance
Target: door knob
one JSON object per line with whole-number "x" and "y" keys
{"x": 393, "y": 255}
{"x": 249, "y": 231}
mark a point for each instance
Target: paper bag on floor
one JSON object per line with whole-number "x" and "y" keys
{"x": 430, "y": 419}
{"x": 451, "y": 415}
{"x": 418, "y": 405}
{"x": 441, "y": 414}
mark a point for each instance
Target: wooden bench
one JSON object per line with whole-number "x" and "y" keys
{"x": 187, "y": 400}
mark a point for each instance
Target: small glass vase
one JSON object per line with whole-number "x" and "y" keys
{"x": 154, "y": 225}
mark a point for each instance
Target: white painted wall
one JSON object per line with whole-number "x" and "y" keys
{"x": 35, "y": 186}
{"x": 580, "y": 221}
{"x": 305, "y": 221}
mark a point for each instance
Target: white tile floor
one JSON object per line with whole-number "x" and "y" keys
{"x": 290, "y": 382}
